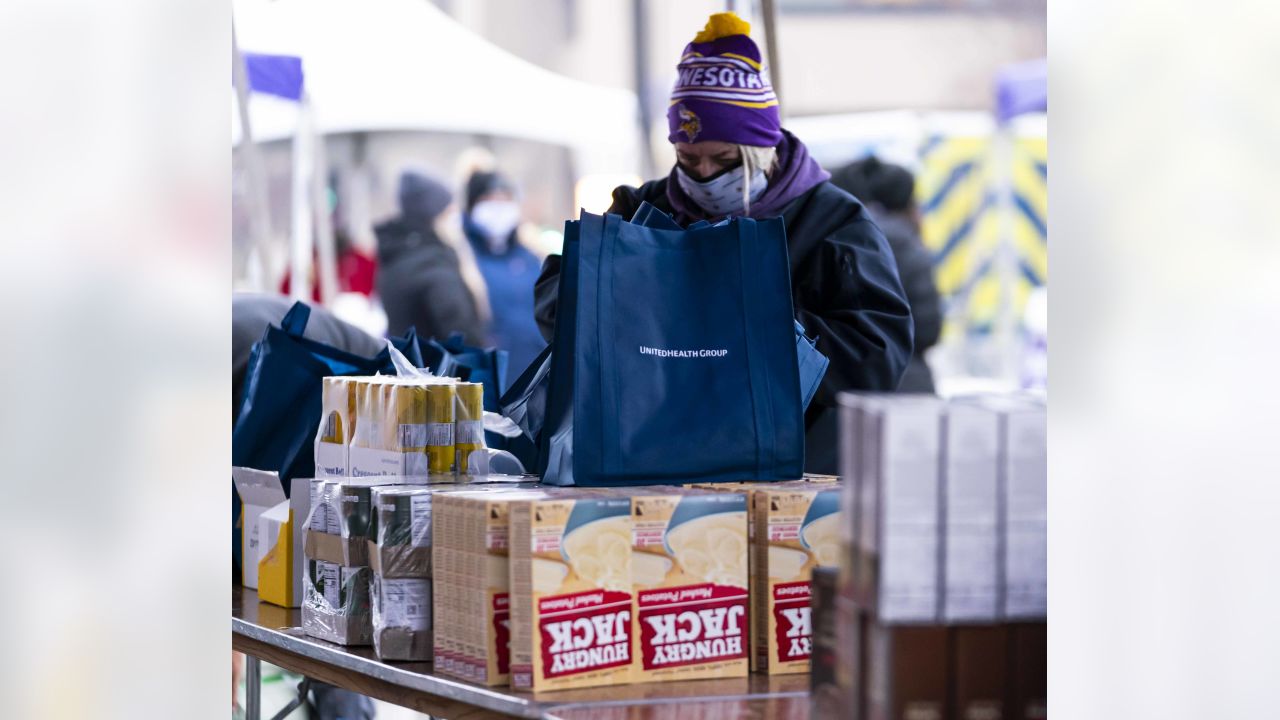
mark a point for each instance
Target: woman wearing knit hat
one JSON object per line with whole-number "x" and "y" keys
{"x": 734, "y": 158}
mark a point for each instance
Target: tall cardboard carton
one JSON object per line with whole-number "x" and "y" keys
{"x": 971, "y": 591}
{"x": 796, "y": 529}
{"x": 571, "y": 599}
{"x": 689, "y": 572}
{"x": 259, "y": 491}
{"x": 899, "y": 508}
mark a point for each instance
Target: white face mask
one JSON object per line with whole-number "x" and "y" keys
{"x": 722, "y": 195}
{"x": 496, "y": 219}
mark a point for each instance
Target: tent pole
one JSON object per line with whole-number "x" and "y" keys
{"x": 769, "y": 9}
{"x": 301, "y": 243}
{"x": 261, "y": 271}
{"x": 640, "y": 15}
{"x": 326, "y": 249}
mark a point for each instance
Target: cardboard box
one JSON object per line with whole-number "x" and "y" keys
{"x": 906, "y": 673}
{"x": 1028, "y": 655}
{"x": 689, "y": 574}
{"x": 344, "y": 509}
{"x": 571, "y": 599}
{"x": 280, "y": 534}
{"x": 404, "y": 426}
{"x": 470, "y": 573}
{"x": 337, "y": 424}
{"x": 401, "y": 546}
{"x": 259, "y": 492}
{"x": 899, "y": 511}
{"x": 336, "y": 603}
{"x": 1024, "y": 472}
{"x": 825, "y": 696}
{"x": 1022, "y": 478}
{"x": 971, "y": 592}
{"x": 980, "y": 671}
{"x": 796, "y": 529}
{"x": 402, "y": 618}
{"x": 749, "y": 489}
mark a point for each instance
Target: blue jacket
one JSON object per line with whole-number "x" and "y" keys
{"x": 510, "y": 277}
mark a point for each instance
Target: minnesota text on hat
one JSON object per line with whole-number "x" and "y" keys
{"x": 722, "y": 90}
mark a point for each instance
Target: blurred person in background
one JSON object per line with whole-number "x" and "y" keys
{"x": 420, "y": 276}
{"x": 492, "y": 226}
{"x": 355, "y": 271}
{"x": 888, "y": 191}
{"x": 734, "y": 158}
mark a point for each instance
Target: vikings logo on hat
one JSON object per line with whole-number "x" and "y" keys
{"x": 690, "y": 125}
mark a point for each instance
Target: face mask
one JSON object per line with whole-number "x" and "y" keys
{"x": 496, "y": 219}
{"x": 722, "y": 194}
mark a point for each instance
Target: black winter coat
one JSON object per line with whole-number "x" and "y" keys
{"x": 845, "y": 291}
{"x": 915, "y": 269}
{"x": 421, "y": 286}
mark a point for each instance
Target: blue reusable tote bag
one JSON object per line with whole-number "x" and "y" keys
{"x": 555, "y": 445}
{"x": 454, "y": 358}
{"x": 813, "y": 364}
{"x": 684, "y": 363}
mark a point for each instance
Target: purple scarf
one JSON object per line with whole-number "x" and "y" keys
{"x": 797, "y": 173}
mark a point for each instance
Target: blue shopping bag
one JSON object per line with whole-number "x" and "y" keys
{"x": 525, "y": 404}
{"x": 813, "y": 364}
{"x": 555, "y": 445}
{"x": 684, "y": 363}
{"x": 454, "y": 358}
{"x": 280, "y": 410}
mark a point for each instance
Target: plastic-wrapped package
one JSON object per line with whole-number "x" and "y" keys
{"x": 400, "y": 556}
{"x": 402, "y": 618}
{"x": 401, "y": 540}
{"x": 335, "y": 605}
{"x": 469, "y": 435}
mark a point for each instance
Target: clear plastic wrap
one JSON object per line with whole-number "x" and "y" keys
{"x": 402, "y": 618}
{"x": 401, "y": 546}
{"x": 335, "y": 604}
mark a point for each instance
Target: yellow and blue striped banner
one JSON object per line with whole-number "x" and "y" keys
{"x": 962, "y": 224}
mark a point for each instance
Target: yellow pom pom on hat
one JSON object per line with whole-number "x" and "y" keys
{"x": 723, "y": 25}
{"x": 722, "y": 89}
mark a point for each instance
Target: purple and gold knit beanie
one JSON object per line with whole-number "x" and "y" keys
{"x": 723, "y": 91}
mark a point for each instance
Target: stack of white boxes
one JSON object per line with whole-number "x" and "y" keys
{"x": 943, "y": 574}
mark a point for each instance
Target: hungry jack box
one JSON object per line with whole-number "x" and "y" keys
{"x": 469, "y": 561}
{"x": 571, "y": 599}
{"x": 749, "y": 489}
{"x": 689, "y": 568}
{"x": 796, "y": 529}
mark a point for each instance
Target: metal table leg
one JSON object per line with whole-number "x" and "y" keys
{"x": 252, "y": 688}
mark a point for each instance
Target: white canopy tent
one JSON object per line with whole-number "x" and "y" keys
{"x": 405, "y": 65}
